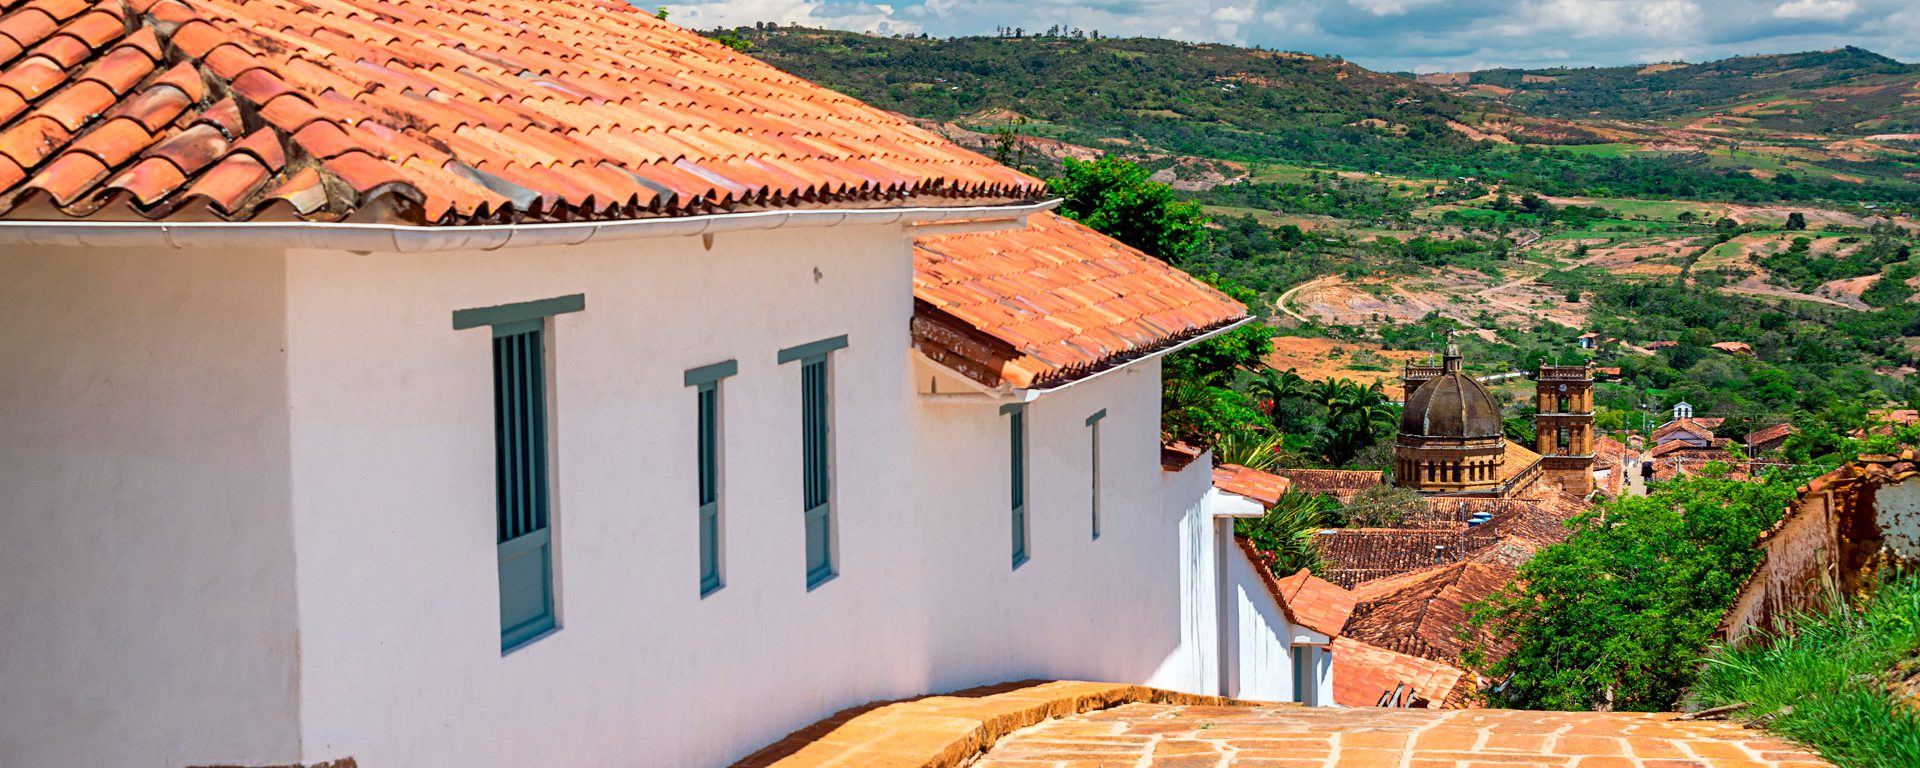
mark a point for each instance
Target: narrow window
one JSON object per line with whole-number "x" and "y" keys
{"x": 707, "y": 449}
{"x": 520, "y": 482}
{"x": 1093, "y": 464}
{"x": 1017, "y": 431}
{"x": 523, "y": 467}
{"x": 817, "y": 468}
{"x": 816, "y": 453}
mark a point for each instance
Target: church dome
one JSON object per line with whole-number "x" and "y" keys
{"x": 1451, "y": 405}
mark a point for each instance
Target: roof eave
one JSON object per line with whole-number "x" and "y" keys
{"x": 407, "y": 238}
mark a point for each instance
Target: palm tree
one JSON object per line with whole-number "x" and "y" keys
{"x": 1248, "y": 448}
{"x": 1289, "y": 531}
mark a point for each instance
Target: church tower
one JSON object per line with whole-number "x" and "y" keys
{"x": 1564, "y": 426}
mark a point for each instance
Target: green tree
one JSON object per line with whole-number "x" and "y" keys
{"x": 1116, "y": 197}
{"x": 1617, "y": 616}
{"x": 1796, "y": 220}
{"x": 1287, "y": 531}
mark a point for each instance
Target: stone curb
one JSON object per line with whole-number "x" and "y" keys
{"x": 949, "y": 730}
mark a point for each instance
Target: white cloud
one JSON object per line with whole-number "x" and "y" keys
{"x": 1816, "y": 10}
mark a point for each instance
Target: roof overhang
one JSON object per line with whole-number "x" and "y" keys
{"x": 1007, "y": 394}
{"x": 404, "y": 238}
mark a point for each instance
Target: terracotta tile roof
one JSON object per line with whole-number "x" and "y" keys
{"x": 1363, "y": 674}
{"x": 1308, "y": 601}
{"x": 1251, "y": 483}
{"x": 1175, "y": 456}
{"x": 1358, "y": 555}
{"x": 1702, "y": 428}
{"x": 1052, "y": 302}
{"x": 1715, "y": 448}
{"x": 1733, "y": 347}
{"x": 1424, "y": 613}
{"x": 1316, "y": 603}
{"x": 1519, "y": 458}
{"x": 1608, "y": 452}
{"x": 1338, "y": 483}
{"x": 431, "y": 112}
{"x": 1769, "y": 435}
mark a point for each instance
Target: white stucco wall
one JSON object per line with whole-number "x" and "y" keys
{"x": 249, "y": 512}
{"x": 1260, "y": 661}
{"x": 146, "y": 550}
{"x": 1084, "y": 608}
{"x": 393, "y": 466}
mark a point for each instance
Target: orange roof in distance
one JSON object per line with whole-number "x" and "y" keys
{"x": 432, "y": 112}
{"x": 1056, "y": 301}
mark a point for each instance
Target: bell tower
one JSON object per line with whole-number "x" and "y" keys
{"x": 1564, "y": 426}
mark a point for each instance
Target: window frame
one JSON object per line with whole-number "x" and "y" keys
{"x": 817, "y": 450}
{"x": 1019, "y": 482}
{"x": 524, "y": 455}
{"x": 710, "y": 471}
{"x": 1093, "y": 463}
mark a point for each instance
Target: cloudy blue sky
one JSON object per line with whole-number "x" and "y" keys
{"x": 1402, "y": 35}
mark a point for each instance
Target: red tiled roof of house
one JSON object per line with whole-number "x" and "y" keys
{"x": 1358, "y": 555}
{"x": 1055, "y": 301}
{"x": 1363, "y": 674}
{"x": 1715, "y": 448}
{"x": 1733, "y": 347}
{"x": 1424, "y": 613}
{"x": 1610, "y": 455}
{"x": 1251, "y": 483}
{"x": 1308, "y": 601}
{"x": 1175, "y": 456}
{"x": 1699, "y": 427}
{"x": 1316, "y": 603}
{"x": 432, "y": 112}
{"x": 1771, "y": 434}
{"x": 1339, "y": 483}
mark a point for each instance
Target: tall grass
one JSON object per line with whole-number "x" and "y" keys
{"x": 1825, "y": 685}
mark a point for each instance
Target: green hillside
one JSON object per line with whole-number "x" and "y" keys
{"x": 1206, "y": 100}
{"x": 1849, "y": 90}
{"x": 1261, "y": 110}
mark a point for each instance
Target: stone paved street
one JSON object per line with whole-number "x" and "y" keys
{"x": 1167, "y": 736}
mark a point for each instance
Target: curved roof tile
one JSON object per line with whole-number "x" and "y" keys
{"x": 569, "y": 109}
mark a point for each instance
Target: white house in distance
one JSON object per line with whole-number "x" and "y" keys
{"x": 407, "y": 384}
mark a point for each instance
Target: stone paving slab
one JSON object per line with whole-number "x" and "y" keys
{"x": 1177, "y": 736}
{"x": 948, "y": 730}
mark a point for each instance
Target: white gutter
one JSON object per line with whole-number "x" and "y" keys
{"x": 407, "y": 238}
{"x": 1007, "y": 396}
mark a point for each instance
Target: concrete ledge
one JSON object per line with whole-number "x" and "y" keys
{"x": 949, "y": 730}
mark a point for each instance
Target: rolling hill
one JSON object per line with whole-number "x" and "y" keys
{"x": 1843, "y": 91}
{"x": 1221, "y": 112}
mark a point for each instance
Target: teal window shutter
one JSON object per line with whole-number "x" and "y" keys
{"x": 521, "y": 479}
{"x": 816, "y": 467}
{"x": 708, "y": 397}
{"x": 1017, "y": 431}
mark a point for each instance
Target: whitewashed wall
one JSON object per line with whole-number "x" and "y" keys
{"x": 393, "y": 455}
{"x": 1260, "y": 658}
{"x": 146, "y": 556}
{"x": 249, "y": 512}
